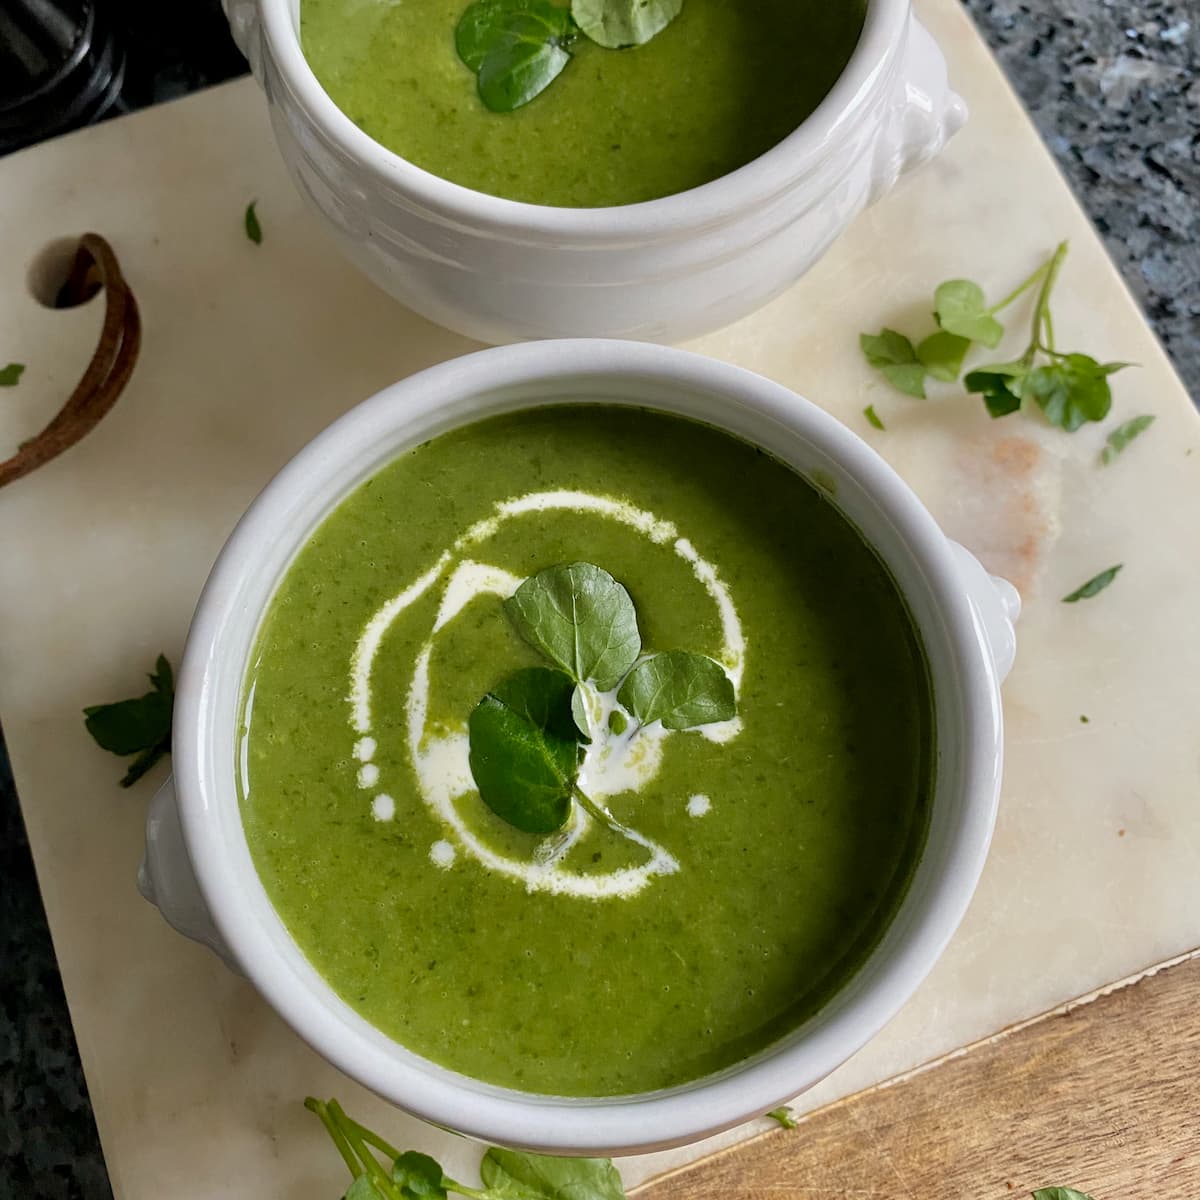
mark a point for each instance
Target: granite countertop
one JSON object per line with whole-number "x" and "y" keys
{"x": 1116, "y": 98}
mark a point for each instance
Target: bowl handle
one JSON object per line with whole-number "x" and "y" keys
{"x": 166, "y": 879}
{"x": 997, "y": 605}
{"x": 922, "y": 113}
{"x": 242, "y": 16}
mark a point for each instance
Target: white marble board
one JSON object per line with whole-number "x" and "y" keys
{"x": 250, "y": 350}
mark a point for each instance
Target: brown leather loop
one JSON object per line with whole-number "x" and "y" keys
{"x": 107, "y": 373}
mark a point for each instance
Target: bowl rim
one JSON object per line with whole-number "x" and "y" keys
{"x": 867, "y": 70}
{"x": 921, "y": 927}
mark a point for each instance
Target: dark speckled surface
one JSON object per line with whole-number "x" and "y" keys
{"x": 1115, "y": 91}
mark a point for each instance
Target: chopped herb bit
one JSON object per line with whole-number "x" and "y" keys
{"x": 784, "y": 1116}
{"x": 1123, "y": 435}
{"x": 141, "y": 726}
{"x": 1094, "y": 585}
{"x": 10, "y": 375}
{"x": 1059, "y": 1193}
{"x": 893, "y": 356}
{"x": 873, "y": 417}
{"x": 1083, "y": 720}
{"x": 253, "y": 228}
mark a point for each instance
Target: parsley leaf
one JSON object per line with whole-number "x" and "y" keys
{"x": 1123, "y": 435}
{"x": 516, "y": 48}
{"x": 893, "y": 356}
{"x": 784, "y": 1116}
{"x": 1094, "y": 585}
{"x": 1000, "y": 385}
{"x": 524, "y": 750}
{"x": 1072, "y": 389}
{"x": 960, "y": 308}
{"x": 253, "y": 228}
{"x": 617, "y": 24}
{"x": 681, "y": 689}
{"x": 942, "y": 354}
{"x": 873, "y": 417}
{"x": 141, "y": 726}
{"x": 10, "y": 375}
{"x": 581, "y": 618}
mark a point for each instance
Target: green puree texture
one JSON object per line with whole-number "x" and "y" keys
{"x": 726, "y": 81}
{"x": 819, "y": 806}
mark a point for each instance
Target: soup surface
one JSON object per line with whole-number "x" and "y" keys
{"x": 723, "y": 83}
{"x": 758, "y": 859}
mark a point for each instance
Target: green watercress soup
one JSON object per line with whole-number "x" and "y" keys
{"x": 586, "y": 750}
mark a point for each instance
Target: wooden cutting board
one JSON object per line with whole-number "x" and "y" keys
{"x": 250, "y": 350}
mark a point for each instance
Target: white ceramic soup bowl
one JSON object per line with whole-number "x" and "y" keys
{"x": 198, "y": 868}
{"x": 498, "y": 270}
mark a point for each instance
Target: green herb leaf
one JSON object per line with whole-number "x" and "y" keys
{"x": 253, "y": 228}
{"x": 516, "y": 48}
{"x": 363, "y": 1188}
{"x": 581, "y": 618}
{"x": 11, "y": 374}
{"x": 679, "y": 688}
{"x": 960, "y": 308}
{"x": 519, "y": 1175}
{"x": 525, "y": 751}
{"x": 579, "y": 713}
{"x": 1000, "y": 385}
{"x": 1123, "y": 435}
{"x": 873, "y": 417}
{"x": 784, "y": 1116}
{"x": 1094, "y": 585}
{"x": 1072, "y": 389}
{"x": 942, "y": 354}
{"x": 1059, "y": 1193}
{"x": 419, "y": 1176}
{"x": 893, "y": 356}
{"x": 140, "y": 726}
{"x": 617, "y": 24}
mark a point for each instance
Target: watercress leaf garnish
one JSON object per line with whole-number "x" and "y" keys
{"x": 1094, "y": 585}
{"x": 1000, "y": 386}
{"x": 139, "y": 726}
{"x": 524, "y": 752}
{"x": 1123, "y": 435}
{"x": 579, "y": 713}
{"x": 363, "y": 1188}
{"x": 942, "y": 354}
{"x": 679, "y": 688}
{"x": 1072, "y": 389}
{"x": 784, "y": 1116}
{"x": 1059, "y": 1193}
{"x": 419, "y": 1176}
{"x": 581, "y": 618}
{"x": 253, "y": 228}
{"x": 617, "y": 24}
{"x": 960, "y": 308}
{"x": 519, "y": 1175}
{"x": 873, "y": 418}
{"x": 893, "y": 356}
{"x": 10, "y": 375}
{"x": 517, "y": 48}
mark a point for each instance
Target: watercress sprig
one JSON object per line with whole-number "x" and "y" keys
{"x": 140, "y": 726}
{"x": 1070, "y": 388}
{"x": 527, "y": 735}
{"x": 518, "y": 48}
{"x": 379, "y": 1171}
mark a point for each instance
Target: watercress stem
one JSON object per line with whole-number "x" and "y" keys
{"x": 378, "y": 1176}
{"x": 1041, "y": 312}
{"x": 594, "y": 810}
{"x": 1019, "y": 290}
{"x": 322, "y": 1110}
{"x": 372, "y": 1139}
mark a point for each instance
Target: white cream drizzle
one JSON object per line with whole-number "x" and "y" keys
{"x": 612, "y": 764}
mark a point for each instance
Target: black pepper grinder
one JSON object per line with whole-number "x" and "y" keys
{"x": 60, "y": 67}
